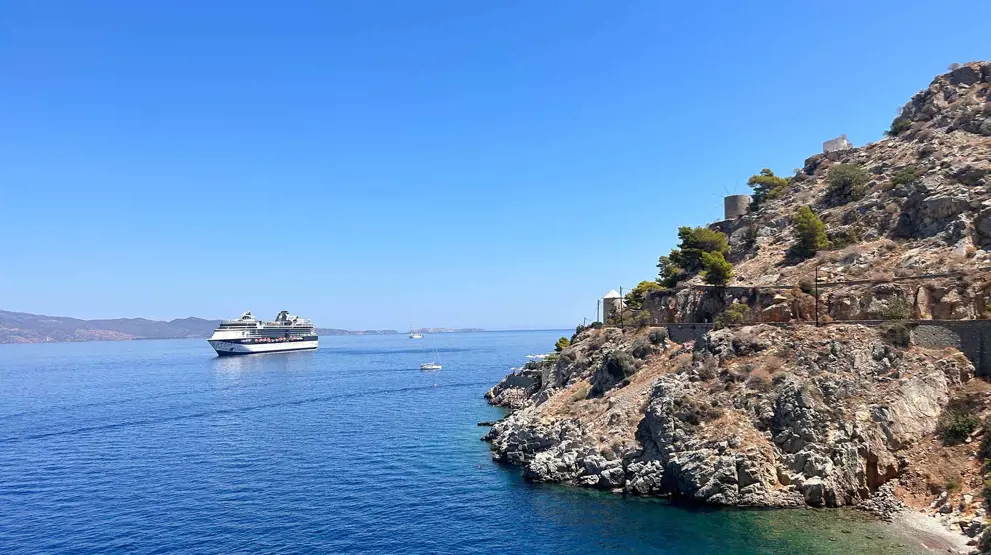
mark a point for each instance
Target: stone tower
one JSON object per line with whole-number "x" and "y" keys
{"x": 735, "y": 206}
{"x": 612, "y": 304}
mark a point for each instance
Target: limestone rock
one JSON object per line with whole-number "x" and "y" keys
{"x": 831, "y": 432}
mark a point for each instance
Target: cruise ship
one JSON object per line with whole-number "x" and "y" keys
{"x": 248, "y": 335}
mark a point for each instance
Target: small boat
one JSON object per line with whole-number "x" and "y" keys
{"x": 413, "y": 334}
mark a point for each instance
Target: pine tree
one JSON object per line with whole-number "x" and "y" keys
{"x": 810, "y": 233}
{"x": 717, "y": 270}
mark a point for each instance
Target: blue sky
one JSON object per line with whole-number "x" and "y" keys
{"x": 445, "y": 163}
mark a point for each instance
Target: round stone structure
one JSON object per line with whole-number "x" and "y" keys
{"x": 735, "y": 206}
{"x": 612, "y": 305}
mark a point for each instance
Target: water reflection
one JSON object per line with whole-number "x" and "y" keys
{"x": 231, "y": 368}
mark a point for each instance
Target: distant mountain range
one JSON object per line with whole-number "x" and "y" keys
{"x": 21, "y": 327}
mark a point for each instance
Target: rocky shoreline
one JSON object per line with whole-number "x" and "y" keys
{"x": 757, "y": 416}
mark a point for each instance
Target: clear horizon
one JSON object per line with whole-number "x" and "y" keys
{"x": 318, "y": 325}
{"x": 440, "y": 164}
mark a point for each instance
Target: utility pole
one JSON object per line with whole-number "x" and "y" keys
{"x": 598, "y": 304}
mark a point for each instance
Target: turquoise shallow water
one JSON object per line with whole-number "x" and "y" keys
{"x": 161, "y": 447}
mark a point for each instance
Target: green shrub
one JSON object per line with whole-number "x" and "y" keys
{"x": 717, "y": 270}
{"x": 898, "y": 309}
{"x": 955, "y": 427}
{"x": 581, "y": 392}
{"x": 616, "y": 367}
{"x": 766, "y": 186}
{"x": 658, "y": 336}
{"x": 984, "y": 542}
{"x": 907, "y": 174}
{"x": 898, "y": 334}
{"x": 562, "y": 344}
{"x": 810, "y": 233}
{"x": 694, "y": 412}
{"x": 635, "y": 298}
{"x": 734, "y": 314}
{"x": 750, "y": 234}
{"x": 952, "y": 485}
{"x": 847, "y": 182}
{"x": 899, "y": 125}
{"x": 641, "y": 349}
{"x": 641, "y": 319}
{"x": 984, "y": 451}
{"x": 843, "y": 239}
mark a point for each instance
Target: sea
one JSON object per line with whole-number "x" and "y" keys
{"x": 163, "y": 447}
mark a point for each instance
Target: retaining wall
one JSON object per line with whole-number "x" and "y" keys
{"x": 972, "y": 337}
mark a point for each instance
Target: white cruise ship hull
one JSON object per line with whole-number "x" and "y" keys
{"x": 237, "y": 347}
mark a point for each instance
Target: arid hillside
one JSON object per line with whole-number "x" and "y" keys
{"x": 905, "y": 224}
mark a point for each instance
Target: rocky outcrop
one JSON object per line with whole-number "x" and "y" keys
{"x": 754, "y": 416}
{"x": 515, "y": 389}
{"x": 883, "y": 503}
{"x": 950, "y": 101}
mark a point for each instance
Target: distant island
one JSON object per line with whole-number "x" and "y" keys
{"x": 448, "y": 330}
{"x": 334, "y": 331}
{"x": 21, "y": 327}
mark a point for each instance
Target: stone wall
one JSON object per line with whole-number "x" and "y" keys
{"x": 972, "y": 337}
{"x": 683, "y": 333}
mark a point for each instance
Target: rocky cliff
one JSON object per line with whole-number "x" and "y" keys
{"x": 793, "y": 415}
{"x": 752, "y": 416}
{"x": 924, "y": 211}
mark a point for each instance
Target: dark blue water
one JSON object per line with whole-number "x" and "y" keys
{"x": 161, "y": 447}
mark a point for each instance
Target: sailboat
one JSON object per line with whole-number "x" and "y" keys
{"x": 413, "y": 334}
{"x": 432, "y": 365}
